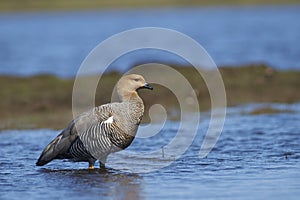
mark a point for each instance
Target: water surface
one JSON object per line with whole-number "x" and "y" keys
{"x": 57, "y": 42}
{"x": 256, "y": 157}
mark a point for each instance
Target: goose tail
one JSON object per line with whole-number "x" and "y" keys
{"x": 49, "y": 152}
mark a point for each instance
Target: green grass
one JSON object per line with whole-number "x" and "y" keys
{"x": 46, "y": 101}
{"x": 37, "y": 5}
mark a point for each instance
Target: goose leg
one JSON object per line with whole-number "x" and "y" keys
{"x": 102, "y": 165}
{"x": 91, "y": 164}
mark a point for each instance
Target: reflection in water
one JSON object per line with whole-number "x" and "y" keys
{"x": 99, "y": 182}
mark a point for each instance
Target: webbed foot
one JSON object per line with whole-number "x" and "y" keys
{"x": 91, "y": 167}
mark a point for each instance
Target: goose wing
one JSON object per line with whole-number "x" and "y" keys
{"x": 83, "y": 128}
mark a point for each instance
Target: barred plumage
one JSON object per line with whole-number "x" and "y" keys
{"x": 77, "y": 150}
{"x": 95, "y": 134}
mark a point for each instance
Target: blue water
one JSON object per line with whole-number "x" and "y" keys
{"x": 58, "y": 42}
{"x": 256, "y": 157}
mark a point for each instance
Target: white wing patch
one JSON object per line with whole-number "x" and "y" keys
{"x": 110, "y": 120}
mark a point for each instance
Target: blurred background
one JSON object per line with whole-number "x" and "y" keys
{"x": 54, "y": 37}
{"x": 43, "y": 43}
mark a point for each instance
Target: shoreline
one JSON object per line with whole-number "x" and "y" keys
{"x": 45, "y": 101}
{"x": 8, "y": 6}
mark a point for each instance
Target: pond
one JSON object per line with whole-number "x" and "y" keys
{"x": 58, "y": 42}
{"x": 256, "y": 157}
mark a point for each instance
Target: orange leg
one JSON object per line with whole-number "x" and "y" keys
{"x": 91, "y": 166}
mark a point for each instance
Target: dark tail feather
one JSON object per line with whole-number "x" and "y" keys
{"x": 49, "y": 152}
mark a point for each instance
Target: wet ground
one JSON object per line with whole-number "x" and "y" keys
{"x": 256, "y": 157}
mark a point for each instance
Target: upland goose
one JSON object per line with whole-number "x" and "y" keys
{"x": 106, "y": 129}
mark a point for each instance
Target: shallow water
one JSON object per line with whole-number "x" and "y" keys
{"x": 256, "y": 157}
{"x": 58, "y": 42}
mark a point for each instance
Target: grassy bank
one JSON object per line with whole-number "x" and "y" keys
{"x": 46, "y": 101}
{"x": 34, "y": 5}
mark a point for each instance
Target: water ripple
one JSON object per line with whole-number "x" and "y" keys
{"x": 260, "y": 152}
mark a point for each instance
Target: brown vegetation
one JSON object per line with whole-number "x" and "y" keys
{"x": 46, "y": 101}
{"x": 33, "y": 5}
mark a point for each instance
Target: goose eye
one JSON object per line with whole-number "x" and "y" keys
{"x": 136, "y": 79}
